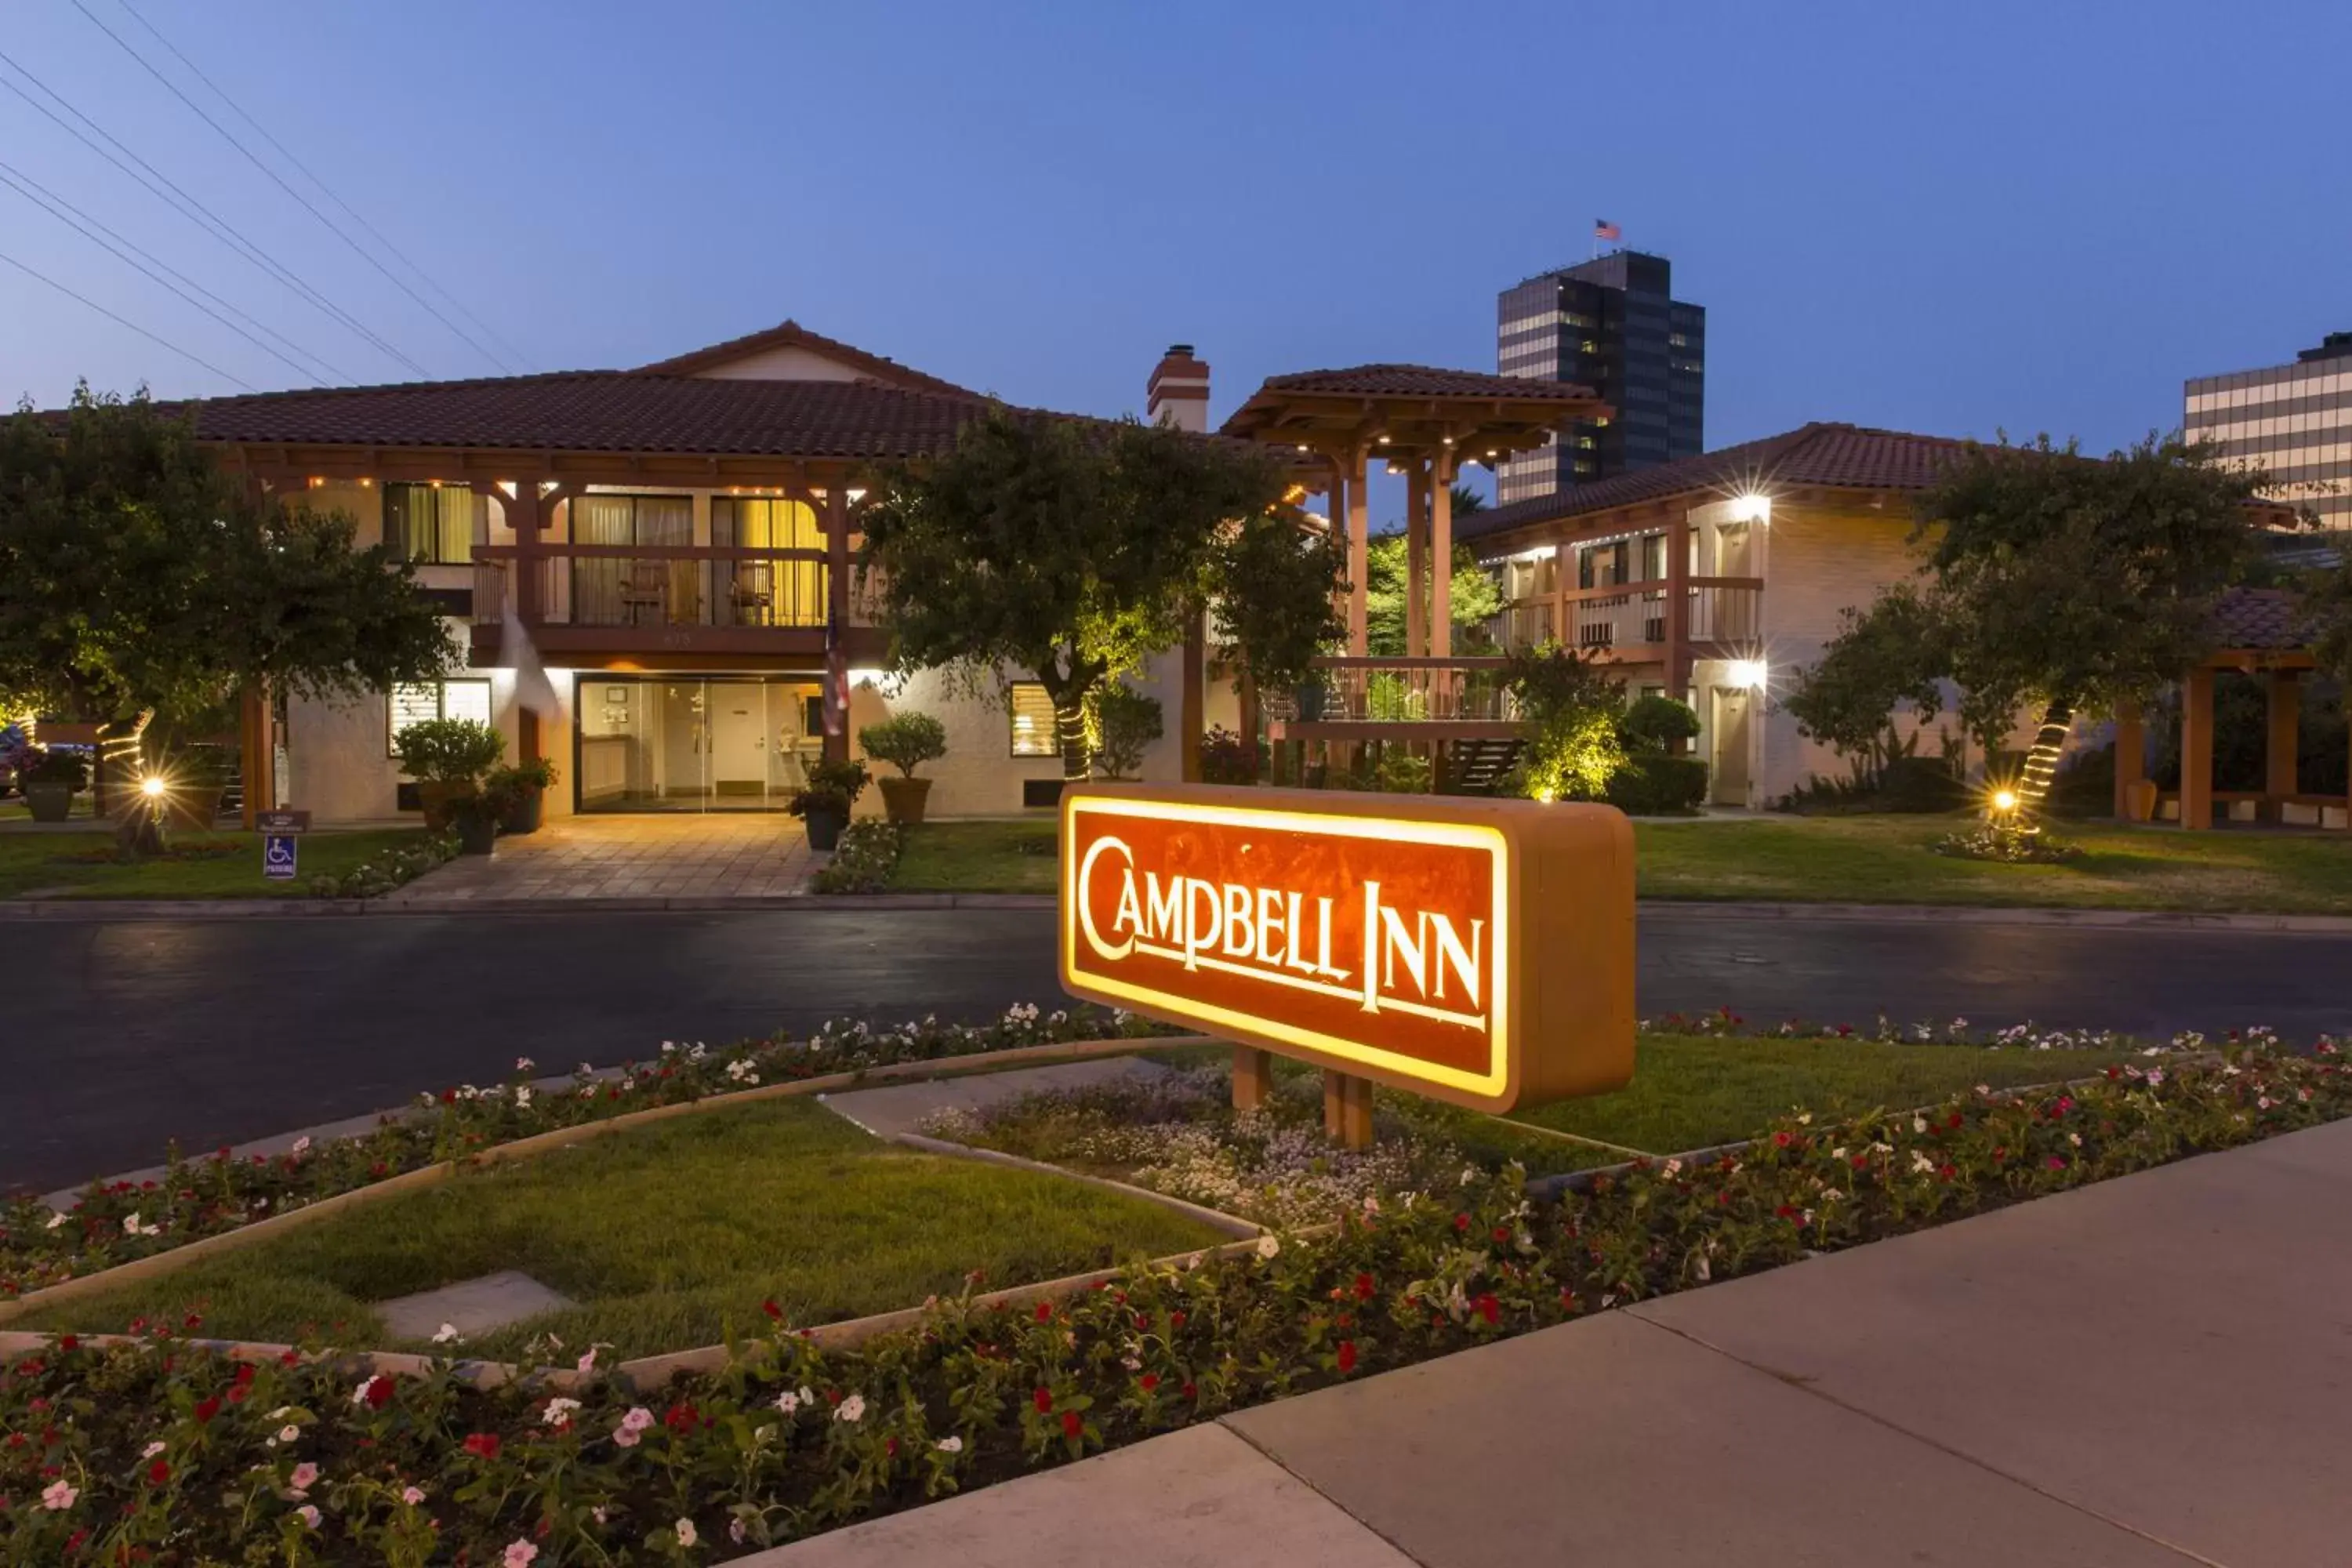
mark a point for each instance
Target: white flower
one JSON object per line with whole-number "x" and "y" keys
{"x": 788, "y": 1401}
{"x": 1918, "y": 1124}
{"x": 686, "y": 1533}
{"x": 445, "y": 1333}
{"x": 852, "y": 1409}
{"x": 151, "y": 1450}
{"x": 558, "y": 1412}
{"x": 1920, "y": 1162}
{"x": 1806, "y": 1119}
{"x": 56, "y": 1220}
{"x": 522, "y": 1097}
{"x": 289, "y": 1434}
{"x": 1673, "y": 1167}
{"x": 301, "y": 1147}
{"x": 1831, "y": 1195}
{"x": 1268, "y": 1246}
{"x": 524, "y": 1063}
{"x": 58, "y": 1496}
{"x": 1838, "y": 1153}
{"x": 735, "y": 1531}
{"x": 950, "y": 1444}
{"x": 2075, "y": 1138}
{"x": 131, "y": 1222}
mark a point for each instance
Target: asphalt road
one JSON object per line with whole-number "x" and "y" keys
{"x": 115, "y": 1038}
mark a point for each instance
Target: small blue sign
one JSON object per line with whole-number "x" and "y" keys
{"x": 277, "y": 857}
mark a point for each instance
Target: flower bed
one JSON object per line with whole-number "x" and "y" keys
{"x": 389, "y": 869}
{"x": 864, "y": 859}
{"x": 118, "y": 1222}
{"x": 167, "y": 1449}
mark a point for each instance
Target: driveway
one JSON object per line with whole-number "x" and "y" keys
{"x": 121, "y": 1035}
{"x": 689, "y": 855}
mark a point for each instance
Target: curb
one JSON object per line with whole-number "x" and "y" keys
{"x": 90, "y": 911}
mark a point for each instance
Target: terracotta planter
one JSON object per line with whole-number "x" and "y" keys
{"x": 192, "y": 806}
{"x": 48, "y": 802}
{"x": 903, "y": 799}
{"x": 824, "y": 829}
{"x": 2139, "y": 800}
{"x": 435, "y": 799}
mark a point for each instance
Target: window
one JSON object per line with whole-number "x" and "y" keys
{"x": 1033, "y": 720}
{"x": 431, "y": 524}
{"x": 768, "y": 593}
{"x": 414, "y": 703}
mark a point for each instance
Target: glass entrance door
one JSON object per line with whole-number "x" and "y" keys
{"x": 722, "y": 742}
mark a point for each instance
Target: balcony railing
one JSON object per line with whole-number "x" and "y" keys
{"x": 643, "y": 586}
{"x": 1632, "y": 615}
{"x": 1376, "y": 691}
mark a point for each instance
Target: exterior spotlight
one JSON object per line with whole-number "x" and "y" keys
{"x": 1751, "y": 507}
{"x": 2004, "y": 800}
{"x": 152, "y": 787}
{"x": 1751, "y": 673}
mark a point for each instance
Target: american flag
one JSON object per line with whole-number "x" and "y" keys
{"x": 1603, "y": 229}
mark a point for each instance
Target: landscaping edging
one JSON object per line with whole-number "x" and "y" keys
{"x": 160, "y": 1264}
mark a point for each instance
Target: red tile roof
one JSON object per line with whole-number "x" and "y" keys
{"x": 602, "y": 410}
{"x": 2261, "y": 618}
{"x": 789, "y": 333}
{"x": 1840, "y": 456}
{"x": 1422, "y": 380}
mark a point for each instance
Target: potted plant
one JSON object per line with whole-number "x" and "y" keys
{"x": 477, "y": 814}
{"x": 447, "y": 758}
{"x": 525, "y": 784}
{"x": 199, "y": 777}
{"x": 824, "y": 805}
{"x": 906, "y": 741}
{"x": 50, "y": 781}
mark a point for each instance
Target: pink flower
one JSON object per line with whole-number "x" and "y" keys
{"x": 519, "y": 1555}
{"x": 686, "y": 1533}
{"x": 412, "y": 1496}
{"x": 310, "y": 1512}
{"x": 625, "y": 1435}
{"x": 638, "y": 1419}
{"x": 305, "y": 1476}
{"x": 58, "y": 1496}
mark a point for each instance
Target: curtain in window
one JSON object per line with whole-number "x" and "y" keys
{"x": 769, "y": 593}
{"x": 669, "y": 520}
{"x": 597, "y": 580}
{"x": 430, "y": 523}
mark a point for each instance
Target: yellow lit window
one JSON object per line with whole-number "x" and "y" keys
{"x": 1033, "y": 720}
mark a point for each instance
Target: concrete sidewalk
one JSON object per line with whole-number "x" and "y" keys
{"x": 2155, "y": 1371}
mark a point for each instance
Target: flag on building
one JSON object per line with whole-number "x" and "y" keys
{"x": 1603, "y": 229}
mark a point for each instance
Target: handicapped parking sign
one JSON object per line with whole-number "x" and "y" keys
{"x": 277, "y": 857}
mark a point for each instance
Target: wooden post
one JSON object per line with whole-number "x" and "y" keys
{"x": 254, "y": 755}
{"x": 1678, "y": 649}
{"x": 1347, "y": 1109}
{"x": 1417, "y": 558}
{"x": 1253, "y": 1077}
{"x": 527, "y": 514}
{"x": 1441, "y": 554}
{"x": 836, "y": 610}
{"x": 2131, "y": 756}
{"x": 2280, "y": 774}
{"x": 1358, "y": 463}
{"x": 1562, "y": 561}
{"x": 2197, "y": 750}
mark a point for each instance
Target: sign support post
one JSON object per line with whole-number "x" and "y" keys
{"x": 1347, "y": 1109}
{"x": 1253, "y": 1077}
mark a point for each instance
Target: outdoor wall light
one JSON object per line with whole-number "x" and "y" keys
{"x": 1751, "y": 673}
{"x": 1751, "y": 507}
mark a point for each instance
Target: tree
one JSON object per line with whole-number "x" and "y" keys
{"x": 1477, "y": 597}
{"x": 1126, "y": 722}
{"x": 137, "y": 578}
{"x": 1074, "y": 550}
{"x": 1570, "y": 711}
{"x": 1276, "y": 594}
{"x": 1881, "y": 658}
{"x": 2075, "y": 584}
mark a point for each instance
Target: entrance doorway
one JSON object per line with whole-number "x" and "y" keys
{"x": 1727, "y": 768}
{"x": 721, "y": 743}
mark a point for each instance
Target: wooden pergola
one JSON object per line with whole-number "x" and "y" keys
{"x": 2264, "y": 636}
{"x": 1424, "y": 424}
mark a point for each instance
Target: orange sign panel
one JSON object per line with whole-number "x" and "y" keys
{"x": 1475, "y": 950}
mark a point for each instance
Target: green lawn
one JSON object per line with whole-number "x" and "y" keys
{"x": 217, "y": 865}
{"x": 1844, "y": 859}
{"x": 669, "y": 1236}
{"x": 1689, "y": 1092}
{"x": 1008, "y": 856}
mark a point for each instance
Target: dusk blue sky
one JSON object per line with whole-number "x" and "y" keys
{"x": 1950, "y": 218}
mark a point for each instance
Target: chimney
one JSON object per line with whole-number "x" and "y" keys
{"x": 1180, "y": 389}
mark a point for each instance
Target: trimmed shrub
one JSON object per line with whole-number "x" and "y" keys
{"x": 1653, "y": 785}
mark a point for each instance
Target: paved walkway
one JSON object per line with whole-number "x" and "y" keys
{"x": 2151, "y": 1373}
{"x": 898, "y": 1108}
{"x": 715, "y": 855}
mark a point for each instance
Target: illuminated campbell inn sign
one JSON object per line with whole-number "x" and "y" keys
{"x": 1476, "y": 951}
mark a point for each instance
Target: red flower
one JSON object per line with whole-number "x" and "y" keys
{"x": 1071, "y": 1424}
{"x": 1947, "y": 1171}
{"x": 1044, "y": 1311}
{"x": 246, "y": 1373}
{"x": 291, "y": 1358}
{"x": 1148, "y": 1382}
{"x": 1044, "y": 1400}
{"x": 1191, "y": 1391}
{"x": 449, "y": 1097}
{"x": 482, "y": 1445}
{"x": 1488, "y": 1308}
{"x": 236, "y": 1394}
{"x": 206, "y": 1408}
{"x": 376, "y": 1391}
{"x": 1784, "y": 1211}
{"x": 158, "y": 1473}
{"x": 1363, "y": 1287}
{"x": 1779, "y": 1140}
{"x": 679, "y": 1417}
{"x": 1860, "y": 1161}
{"x": 1461, "y": 1222}
{"x": 1502, "y": 1233}
{"x": 1346, "y": 1357}
{"x": 770, "y": 1306}
{"x": 1175, "y": 1320}
{"x": 2056, "y": 1163}
{"x": 68, "y": 1342}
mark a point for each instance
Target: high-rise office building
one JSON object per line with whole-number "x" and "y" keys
{"x": 1612, "y": 325}
{"x": 2295, "y": 420}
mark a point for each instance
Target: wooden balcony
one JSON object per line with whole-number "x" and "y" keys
{"x": 680, "y": 606}
{"x": 1371, "y": 698}
{"x": 1628, "y": 623}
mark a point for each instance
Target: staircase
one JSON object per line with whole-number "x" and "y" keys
{"x": 1473, "y": 767}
